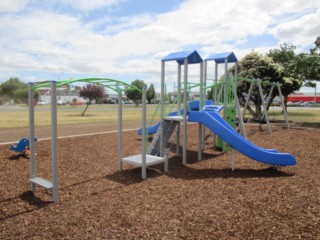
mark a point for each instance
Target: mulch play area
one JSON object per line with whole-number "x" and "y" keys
{"x": 200, "y": 200}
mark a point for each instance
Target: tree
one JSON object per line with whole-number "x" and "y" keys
{"x": 316, "y": 49}
{"x": 285, "y": 57}
{"x": 134, "y": 94}
{"x": 150, "y": 93}
{"x": 291, "y": 78}
{"x": 16, "y": 89}
{"x": 257, "y": 66}
{"x": 311, "y": 64}
{"x": 289, "y": 85}
{"x": 91, "y": 92}
{"x": 22, "y": 94}
{"x": 9, "y": 87}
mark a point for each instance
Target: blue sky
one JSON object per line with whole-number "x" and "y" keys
{"x": 126, "y": 39}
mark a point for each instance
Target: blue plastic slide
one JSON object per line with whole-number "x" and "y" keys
{"x": 216, "y": 124}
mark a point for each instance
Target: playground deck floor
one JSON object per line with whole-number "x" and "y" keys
{"x": 199, "y": 200}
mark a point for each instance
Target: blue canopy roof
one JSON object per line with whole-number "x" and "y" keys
{"x": 220, "y": 57}
{"x": 192, "y": 56}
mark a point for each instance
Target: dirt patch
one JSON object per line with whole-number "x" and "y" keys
{"x": 199, "y": 200}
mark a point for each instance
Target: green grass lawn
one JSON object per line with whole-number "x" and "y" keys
{"x": 18, "y": 116}
{"x": 303, "y": 117}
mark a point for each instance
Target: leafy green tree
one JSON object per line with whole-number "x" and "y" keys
{"x": 150, "y": 93}
{"x": 9, "y": 87}
{"x": 22, "y": 94}
{"x": 91, "y": 92}
{"x": 15, "y": 89}
{"x": 288, "y": 86}
{"x": 308, "y": 64}
{"x": 257, "y": 66}
{"x": 316, "y": 49}
{"x": 134, "y": 94}
{"x": 285, "y": 57}
{"x": 291, "y": 79}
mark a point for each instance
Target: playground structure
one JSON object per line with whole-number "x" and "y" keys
{"x": 223, "y": 127}
{"x": 203, "y": 112}
{"x": 115, "y": 85}
{"x": 224, "y": 94}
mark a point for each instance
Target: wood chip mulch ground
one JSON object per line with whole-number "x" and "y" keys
{"x": 199, "y": 200}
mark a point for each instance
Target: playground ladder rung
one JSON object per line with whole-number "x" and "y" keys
{"x": 42, "y": 182}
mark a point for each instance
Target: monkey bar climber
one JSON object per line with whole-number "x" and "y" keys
{"x": 113, "y": 84}
{"x": 52, "y": 185}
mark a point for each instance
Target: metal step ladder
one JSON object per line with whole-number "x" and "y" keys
{"x": 168, "y": 127}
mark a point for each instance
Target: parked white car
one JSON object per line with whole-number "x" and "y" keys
{"x": 41, "y": 103}
{"x": 61, "y": 102}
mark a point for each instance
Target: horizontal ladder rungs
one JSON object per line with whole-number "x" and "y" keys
{"x": 42, "y": 182}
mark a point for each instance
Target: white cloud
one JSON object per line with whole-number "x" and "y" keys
{"x": 89, "y": 5}
{"x": 301, "y": 31}
{"x": 43, "y": 40}
{"x": 12, "y": 5}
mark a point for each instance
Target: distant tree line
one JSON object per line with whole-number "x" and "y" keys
{"x": 15, "y": 89}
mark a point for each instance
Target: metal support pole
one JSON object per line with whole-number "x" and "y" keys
{"x": 240, "y": 117}
{"x": 179, "y": 91}
{"x": 178, "y": 109}
{"x": 233, "y": 160}
{"x": 242, "y": 127}
{"x": 215, "y": 95}
{"x": 185, "y": 110}
{"x": 247, "y": 100}
{"x": 235, "y": 80}
{"x": 205, "y": 78}
{"x": 264, "y": 105}
{"x": 215, "y": 82}
{"x": 119, "y": 129}
{"x": 201, "y": 127}
{"x": 162, "y": 106}
{"x": 204, "y": 96}
{"x": 54, "y": 142}
{"x": 283, "y": 106}
{"x": 225, "y": 96}
{"x": 268, "y": 100}
{"x": 144, "y": 124}
{"x": 31, "y": 133}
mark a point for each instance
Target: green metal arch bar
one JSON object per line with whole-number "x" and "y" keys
{"x": 99, "y": 81}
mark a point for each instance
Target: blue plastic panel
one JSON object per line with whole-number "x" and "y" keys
{"x": 192, "y": 56}
{"x": 221, "y": 57}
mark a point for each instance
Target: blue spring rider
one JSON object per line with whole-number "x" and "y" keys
{"x": 22, "y": 147}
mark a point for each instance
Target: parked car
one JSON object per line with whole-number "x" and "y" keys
{"x": 41, "y": 103}
{"x": 290, "y": 104}
{"x": 61, "y": 102}
{"x": 308, "y": 104}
